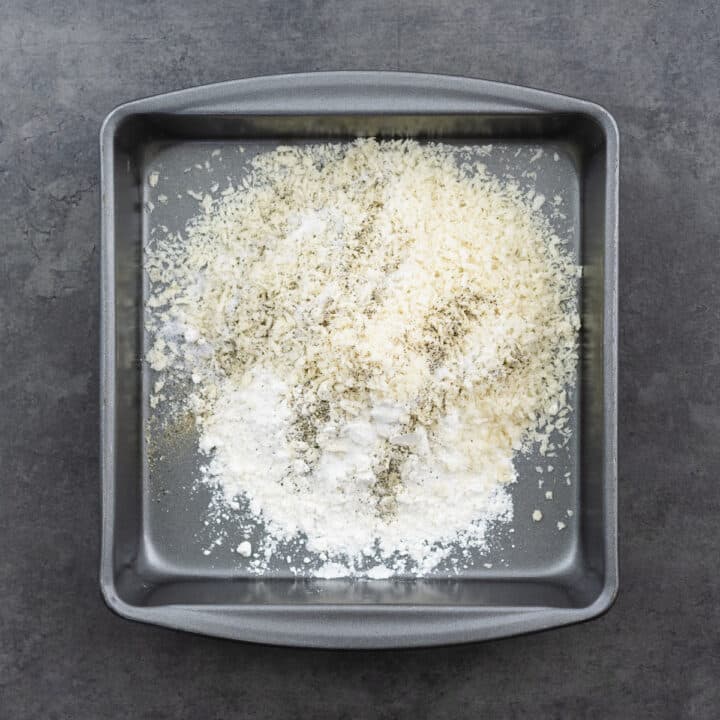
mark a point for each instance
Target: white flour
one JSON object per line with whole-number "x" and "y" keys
{"x": 333, "y": 505}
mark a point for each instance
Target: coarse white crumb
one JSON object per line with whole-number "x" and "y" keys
{"x": 244, "y": 549}
{"x": 538, "y": 201}
{"x": 548, "y": 495}
{"x": 538, "y": 154}
{"x": 537, "y": 515}
{"x": 560, "y": 525}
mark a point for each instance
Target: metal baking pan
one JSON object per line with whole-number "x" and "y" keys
{"x": 153, "y": 568}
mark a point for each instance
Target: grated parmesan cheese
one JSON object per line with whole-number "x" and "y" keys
{"x": 372, "y": 331}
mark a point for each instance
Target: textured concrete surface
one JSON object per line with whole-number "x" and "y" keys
{"x": 63, "y": 66}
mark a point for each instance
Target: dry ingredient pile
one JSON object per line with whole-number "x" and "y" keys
{"x": 370, "y": 333}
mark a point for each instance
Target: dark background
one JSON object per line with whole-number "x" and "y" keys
{"x": 654, "y": 65}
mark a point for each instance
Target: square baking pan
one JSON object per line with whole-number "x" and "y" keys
{"x": 155, "y": 566}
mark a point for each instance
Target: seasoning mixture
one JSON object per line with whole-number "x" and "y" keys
{"x": 370, "y": 332}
